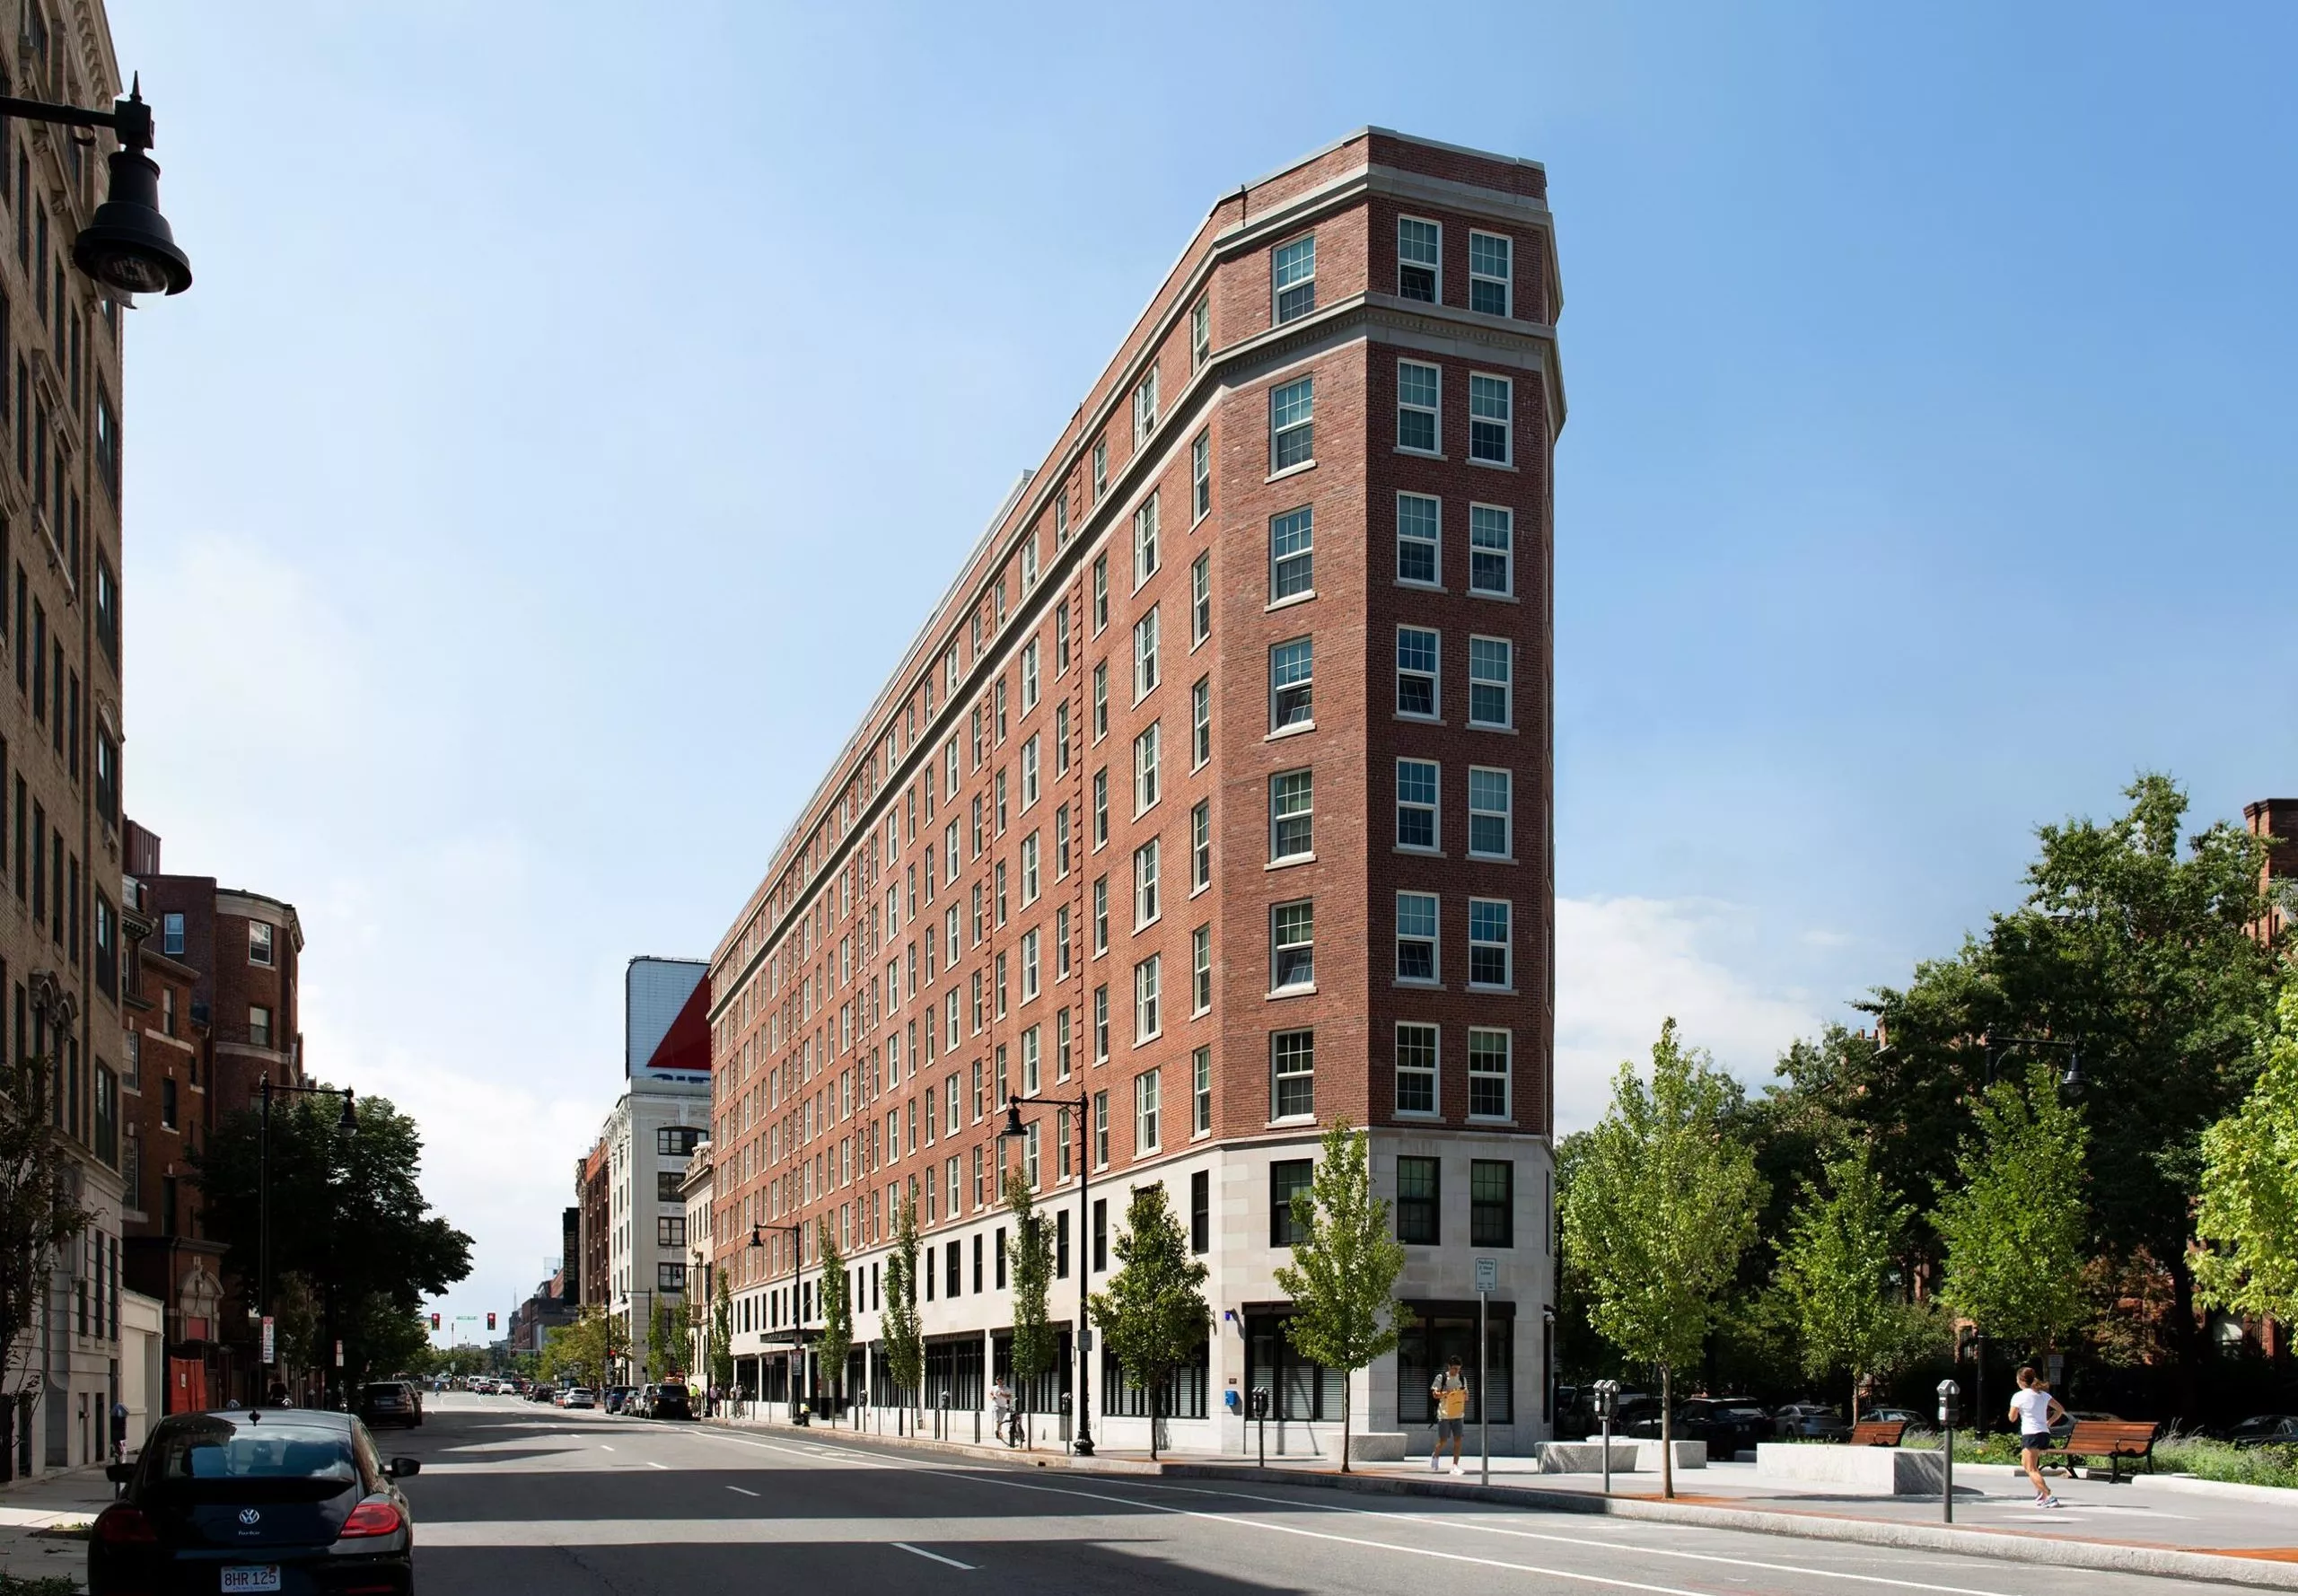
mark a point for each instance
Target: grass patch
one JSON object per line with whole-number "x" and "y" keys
{"x": 47, "y": 1584}
{"x": 2197, "y": 1455}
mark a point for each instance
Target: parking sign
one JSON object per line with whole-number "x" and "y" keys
{"x": 1487, "y": 1274}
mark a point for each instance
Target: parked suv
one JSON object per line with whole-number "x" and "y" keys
{"x": 672, "y": 1400}
{"x": 1809, "y": 1421}
{"x": 389, "y": 1402}
{"x": 1727, "y": 1424}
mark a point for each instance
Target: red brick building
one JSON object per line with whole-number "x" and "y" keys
{"x": 2276, "y": 818}
{"x": 1215, "y": 795}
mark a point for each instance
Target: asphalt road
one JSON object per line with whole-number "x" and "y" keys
{"x": 517, "y": 1496}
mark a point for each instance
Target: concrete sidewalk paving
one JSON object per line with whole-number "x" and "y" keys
{"x": 32, "y": 1510}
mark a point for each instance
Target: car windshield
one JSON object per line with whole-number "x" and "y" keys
{"x": 382, "y": 1391}
{"x": 217, "y": 1457}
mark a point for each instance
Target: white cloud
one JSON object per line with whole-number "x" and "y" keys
{"x": 1624, "y": 965}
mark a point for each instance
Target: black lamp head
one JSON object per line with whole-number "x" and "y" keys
{"x": 350, "y": 1120}
{"x": 2072, "y": 1083}
{"x": 757, "y": 1240}
{"x": 1013, "y": 1118}
{"x": 128, "y": 243}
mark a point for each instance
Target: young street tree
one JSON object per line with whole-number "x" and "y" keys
{"x": 1343, "y": 1275}
{"x": 659, "y": 1349}
{"x": 905, "y": 1340}
{"x": 1662, "y": 1203}
{"x": 1033, "y": 1350}
{"x": 38, "y": 1217}
{"x": 1838, "y": 1272}
{"x": 2249, "y": 1214}
{"x": 1152, "y": 1317}
{"x": 586, "y": 1350}
{"x": 722, "y": 1337}
{"x": 837, "y": 1313}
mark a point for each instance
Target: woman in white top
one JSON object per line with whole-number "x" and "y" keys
{"x": 2036, "y": 1410}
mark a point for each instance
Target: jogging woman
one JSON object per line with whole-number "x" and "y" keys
{"x": 2036, "y": 1410}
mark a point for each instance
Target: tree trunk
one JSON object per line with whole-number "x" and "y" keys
{"x": 1667, "y": 1435}
{"x": 1155, "y": 1403}
{"x": 1854, "y": 1408}
{"x": 1345, "y": 1384}
{"x": 2183, "y": 1334}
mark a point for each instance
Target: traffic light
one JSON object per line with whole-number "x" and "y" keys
{"x": 435, "y": 1321}
{"x": 490, "y": 1320}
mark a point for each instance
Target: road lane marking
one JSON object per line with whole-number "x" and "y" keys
{"x": 603, "y": 1447}
{"x": 739, "y": 1489}
{"x": 651, "y": 1464}
{"x": 936, "y": 1557}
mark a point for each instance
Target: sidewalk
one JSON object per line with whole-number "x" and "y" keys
{"x": 2161, "y": 1525}
{"x": 30, "y": 1510}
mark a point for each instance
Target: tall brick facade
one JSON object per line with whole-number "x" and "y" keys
{"x": 2276, "y": 818}
{"x": 1216, "y": 792}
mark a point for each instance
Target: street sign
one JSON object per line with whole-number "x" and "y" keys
{"x": 268, "y": 1351}
{"x": 1487, "y": 1274}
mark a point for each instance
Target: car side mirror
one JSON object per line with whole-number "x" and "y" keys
{"x": 119, "y": 1474}
{"x": 403, "y": 1467}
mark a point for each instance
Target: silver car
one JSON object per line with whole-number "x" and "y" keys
{"x": 1809, "y": 1421}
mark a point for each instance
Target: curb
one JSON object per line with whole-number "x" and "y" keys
{"x": 1015, "y": 1457}
{"x": 2099, "y": 1556}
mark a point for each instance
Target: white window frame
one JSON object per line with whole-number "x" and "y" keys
{"x": 1286, "y": 279}
{"x": 1507, "y": 685}
{"x": 1506, "y": 1074}
{"x": 1147, "y": 1130}
{"x": 1101, "y": 467}
{"x": 1432, "y": 1077}
{"x": 1304, "y": 685}
{"x": 1433, "y": 542}
{"x": 1029, "y": 677}
{"x": 1200, "y": 722}
{"x": 1146, "y": 788}
{"x": 1201, "y": 1093}
{"x": 1148, "y": 867}
{"x": 1507, "y": 948}
{"x": 1305, "y": 981}
{"x": 1506, "y": 422}
{"x": 1435, "y": 903}
{"x": 1148, "y": 1009}
{"x": 1506, "y": 279}
{"x": 1030, "y": 560}
{"x": 1506, "y": 812}
{"x": 1407, "y": 370}
{"x": 1200, "y": 332}
{"x": 1201, "y": 846}
{"x": 1146, "y": 556}
{"x": 1031, "y": 874}
{"x": 1100, "y": 699}
{"x": 1280, "y": 431}
{"x": 1200, "y": 476}
{"x": 1100, "y": 593}
{"x": 1144, "y": 409}
{"x": 1144, "y": 654}
{"x": 1433, "y": 676}
{"x": 1434, "y": 807}
{"x": 1200, "y": 957}
{"x": 1434, "y": 269}
{"x": 1029, "y": 773}
{"x": 1306, "y": 813}
{"x": 1301, "y": 560}
{"x": 1201, "y": 599}
{"x": 1276, "y": 1112}
{"x": 1506, "y": 552}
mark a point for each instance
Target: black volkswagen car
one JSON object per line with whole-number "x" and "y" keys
{"x": 290, "y": 1500}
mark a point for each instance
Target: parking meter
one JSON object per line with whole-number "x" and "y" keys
{"x": 1260, "y": 1413}
{"x": 1606, "y": 1405}
{"x": 1951, "y": 1413}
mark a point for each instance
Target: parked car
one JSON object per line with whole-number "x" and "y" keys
{"x": 389, "y": 1402}
{"x": 255, "y": 1500}
{"x": 540, "y": 1392}
{"x": 1896, "y": 1416}
{"x": 672, "y": 1400}
{"x": 640, "y": 1404}
{"x": 1726, "y": 1423}
{"x": 2266, "y": 1429}
{"x": 1809, "y": 1421}
{"x": 2060, "y": 1430}
{"x": 579, "y": 1397}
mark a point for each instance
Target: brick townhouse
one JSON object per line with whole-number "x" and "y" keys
{"x": 1215, "y": 796}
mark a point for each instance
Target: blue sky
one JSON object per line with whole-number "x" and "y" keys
{"x": 579, "y": 405}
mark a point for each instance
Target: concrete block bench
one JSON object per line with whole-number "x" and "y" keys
{"x": 1849, "y": 1470}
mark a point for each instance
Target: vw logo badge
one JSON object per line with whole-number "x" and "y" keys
{"x": 248, "y": 1515}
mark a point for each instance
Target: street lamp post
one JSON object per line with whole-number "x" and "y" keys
{"x": 349, "y": 1121}
{"x": 127, "y": 244}
{"x": 1014, "y": 1129}
{"x": 2071, "y": 1082}
{"x": 797, "y": 1234}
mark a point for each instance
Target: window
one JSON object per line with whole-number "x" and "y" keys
{"x": 1100, "y": 467}
{"x": 1418, "y": 543}
{"x": 107, "y": 610}
{"x": 1415, "y": 1069}
{"x": 1488, "y": 419}
{"x": 1292, "y": 946}
{"x": 1488, "y": 810}
{"x": 1061, "y": 738}
{"x": 1101, "y": 806}
{"x": 1417, "y": 1201}
{"x": 1030, "y": 560}
{"x": 670, "y": 1231}
{"x": 1200, "y": 600}
{"x": 1145, "y": 409}
{"x": 1146, "y": 1025}
{"x": 1489, "y": 1075}
{"x": 1032, "y": 1062}
{"x": 1293, "y": 1071}
{"x": 1145, "y": 1113}
{"x": 1285, "y": 1177}
{"x": 1200, "y": 1212}
{"x": 1200, "y": 476}
{"x": 1061, "y": 842}
{"x": 1416, "y": 936}
{"x": 1418, "y": 653}
{"x": 1145, "y": 883}
{"x": 1489, "y": 942}
{"x": 258, "y": 942}
{"x": 1145, "y": 541}
{"x": 670, "y": 1277}
{"x": 1419, "y": 259}
{"x": 1293, "y": 558}
{"x": 1201, "y": 846}
{"x": 1489, "y": 681}
{"x": 1144, "y": 654}
{"x": 1060, "y": 641}
{"x": 1293, "y": 273}
{"x": 1488, "y": 273}
{"x": 1029, "y": 772}
{"x": 1100, "y": 915}
{"x": 1491, "y": 1202}
{"x": 1292, "y": 417}
{"x": 1291, "y": 673}
{"x": 258, "y": 1026}
{"x": 1417, "y": 386}
{"x": 1417, "y": 787}
{"x": 1200, "y": 333}
{"x": 170, "y": 924}
{"x": 1101, "y": 592}
{"x": 676, "y": 1141}
{"x": 1201, "y": 1093}
{"x": 1200, "y": 722}
{"x": 1145, "y": 770}
{"x": 1101, "y": 700}
{"x": 1029, "y": 876}
{"x": 1492, "y": 562}
{"x": 666, "y": 1186}
{"x": 1061, "y": 951}
{"x": 1029, "y": 677}
{"x": 1290, "y": 814}
{"x": 1200, "y": 955}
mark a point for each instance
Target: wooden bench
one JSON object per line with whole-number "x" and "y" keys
{"x": 2111, "y": 1439}
{"x": 1877, "y": 1432}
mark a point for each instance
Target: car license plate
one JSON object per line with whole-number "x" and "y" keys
{"x": 263, "y": 1577}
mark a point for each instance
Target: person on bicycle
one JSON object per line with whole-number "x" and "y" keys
{"x": 1001, "y": 1408}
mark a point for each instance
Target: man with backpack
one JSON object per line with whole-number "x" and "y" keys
{"x": 1450, "y": 1394}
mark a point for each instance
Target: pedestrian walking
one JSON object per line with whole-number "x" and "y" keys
{"x": 119, "y": 1432}
{"x": 1450, "y": 1392}
{"x": 2036, "y": 1410}
{"x": 1001, "y": 1408}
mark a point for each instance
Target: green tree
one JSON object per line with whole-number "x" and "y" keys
{"x": 2011, "y": 1217}
{"x": 1662, "y": 1203}
{"x": 905, "y": 1340}
{"x": 837, "y": 1311}
{"x": 586, "y": 1351}
{"x": 2248, "y": 1213}
{"x": 39, "y": 1216}
{"x": 658, "y": 1340}
{"x": 1152, "y": 1317}
{"x": 1034, "y": 1349}
{"x": 1343, "y": 1275}
{"x": 1840, "y": 1271}
{"x": 681, "y": 1336}
{"x": 722, "y": 1335}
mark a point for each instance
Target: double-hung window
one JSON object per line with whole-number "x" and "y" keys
{"x": 1291, "y": 423}
{"x": 1144, "y": 654}
{"x": 1420, "y": 247}
{"x": 1145, "y": 541}
{"x": 1061, "y": 637}
{"x": 1100, "y": 699}
{"x": 1146, "y": 1137}
{"x": 1292, "y": 809}
{"x": 1030, "y": 873}
{"x": 1100, "y": 1025}
{"x": 1292, "y": 1074}
{"x": 1492, "y": 549}
{"x": 1418, "y": 1200}
{"x": 1417, "y": 386}
{"x": 1028, "y": 676}
{"x": 1201, "y": 846}
{"x": 1491, "y": 405}
{"x": 1201, "y": 1091}
{"x": 1416, "y": 798}
{"x": 1030, "y": 560}
{"x": 1416, "y": 1068}
{"x": 1200, "y": 721}
{"x": 1200, "y": 476}
{"x": 1488, "y": 1074}
{"x": 1419, "y": 545}
{"x": 1061, "y": 737}
{"x": 1100, "y": 915}
{"x": 1145, "y": 883}
{"x": 1030, "y": 771}
{"x": 1146, "y": 1024}
{"x": 1489, "y": 942}
{"x": 1200, "y": 333}
{"x": 1488, "y": 812}
{"x": 1030, "y": 967}
{"x": 1418, "y": 653}
{"x": 1292, "y": 669}
{"x": 1293, "y": 946}
{"x": 1293, "y": 273}
{"x": 1100, "y": 467}
{"x": 1145, "y": 409}
{"x": 1201, "y": 599}
{"x": 1416, "y": 937}
{"x": 1101, "y": 806}
{"x": 1490, "y": 675}
{"x": 1200, "y": 953}
{"x": 1491, "y": 260}
{"x": 1292, "y": 553}
{"x": 1492, "y": 1202}
{"x": 1101, "y": 592}
{"x": 1145, "y": 768}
